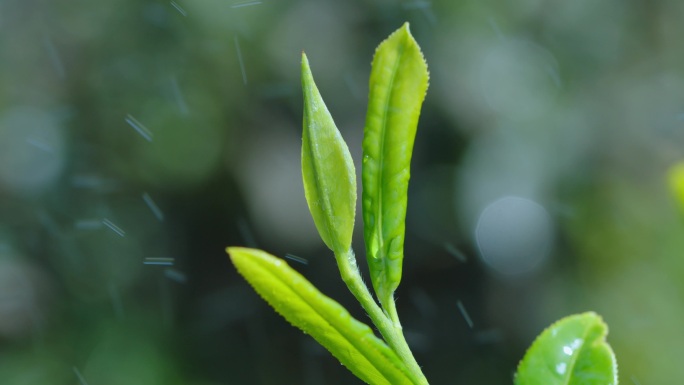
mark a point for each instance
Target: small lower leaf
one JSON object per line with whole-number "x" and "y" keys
{"x": 297, "y": 300}
{"x": 572, "y": 351}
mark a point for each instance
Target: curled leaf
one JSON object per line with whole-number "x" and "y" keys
{"x": 327, "y": 170}
{"x": 398, "y": 83}
{"x": 572, "y": 351}
{"x": 300, "y": 303}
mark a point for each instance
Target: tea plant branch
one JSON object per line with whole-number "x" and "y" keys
{"x": 572, "y": 351}
{"x": 330, "y": 190}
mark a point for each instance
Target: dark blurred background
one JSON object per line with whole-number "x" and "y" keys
{"x": 138, "y": 139}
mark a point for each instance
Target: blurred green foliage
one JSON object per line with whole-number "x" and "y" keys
{"x": 573, "y": 105}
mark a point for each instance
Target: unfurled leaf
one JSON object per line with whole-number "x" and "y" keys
{"x": 398, "y": 82}
{"x": 327, "y": 170}
{"x": 572, "y": 351}
{"x": 298, "y": 301}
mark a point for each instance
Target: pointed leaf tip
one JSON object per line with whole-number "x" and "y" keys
{"x": 327, "y": 170}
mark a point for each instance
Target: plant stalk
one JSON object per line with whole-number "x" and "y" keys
{"x": 388, "y": 325}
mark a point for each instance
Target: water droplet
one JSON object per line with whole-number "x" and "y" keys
{"x": 574, "y": 345}
{"x": 560, "y": 368}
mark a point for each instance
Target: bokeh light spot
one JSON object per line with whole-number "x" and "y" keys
{"x": 514, "y": 235}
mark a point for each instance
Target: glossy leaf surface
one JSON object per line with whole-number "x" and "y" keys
{"x": 297, "y": 300}
{"x": 398, "y": 83}
{"x": 327, "y": 170}
{"x": 572, "y": 351}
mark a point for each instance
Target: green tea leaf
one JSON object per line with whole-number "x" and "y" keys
{"x": 327, "y": 170}
{"x": 398, "y": 83}
{"x": 676, "y": 179}
{"x": 298, "y": 301}
{"x": 572, "y": 351}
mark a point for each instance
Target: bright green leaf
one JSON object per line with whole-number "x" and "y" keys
{"x": 327, "y": 170}
{"x": 572, "y": 351}
{"x": 398, "y": 83}
{"x": 298, "y": 301}
{"x": 676, "y": 177}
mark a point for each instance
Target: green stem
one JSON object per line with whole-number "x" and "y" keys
{"x": 388, "y": 325}
{"x": 391, "y": 311}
